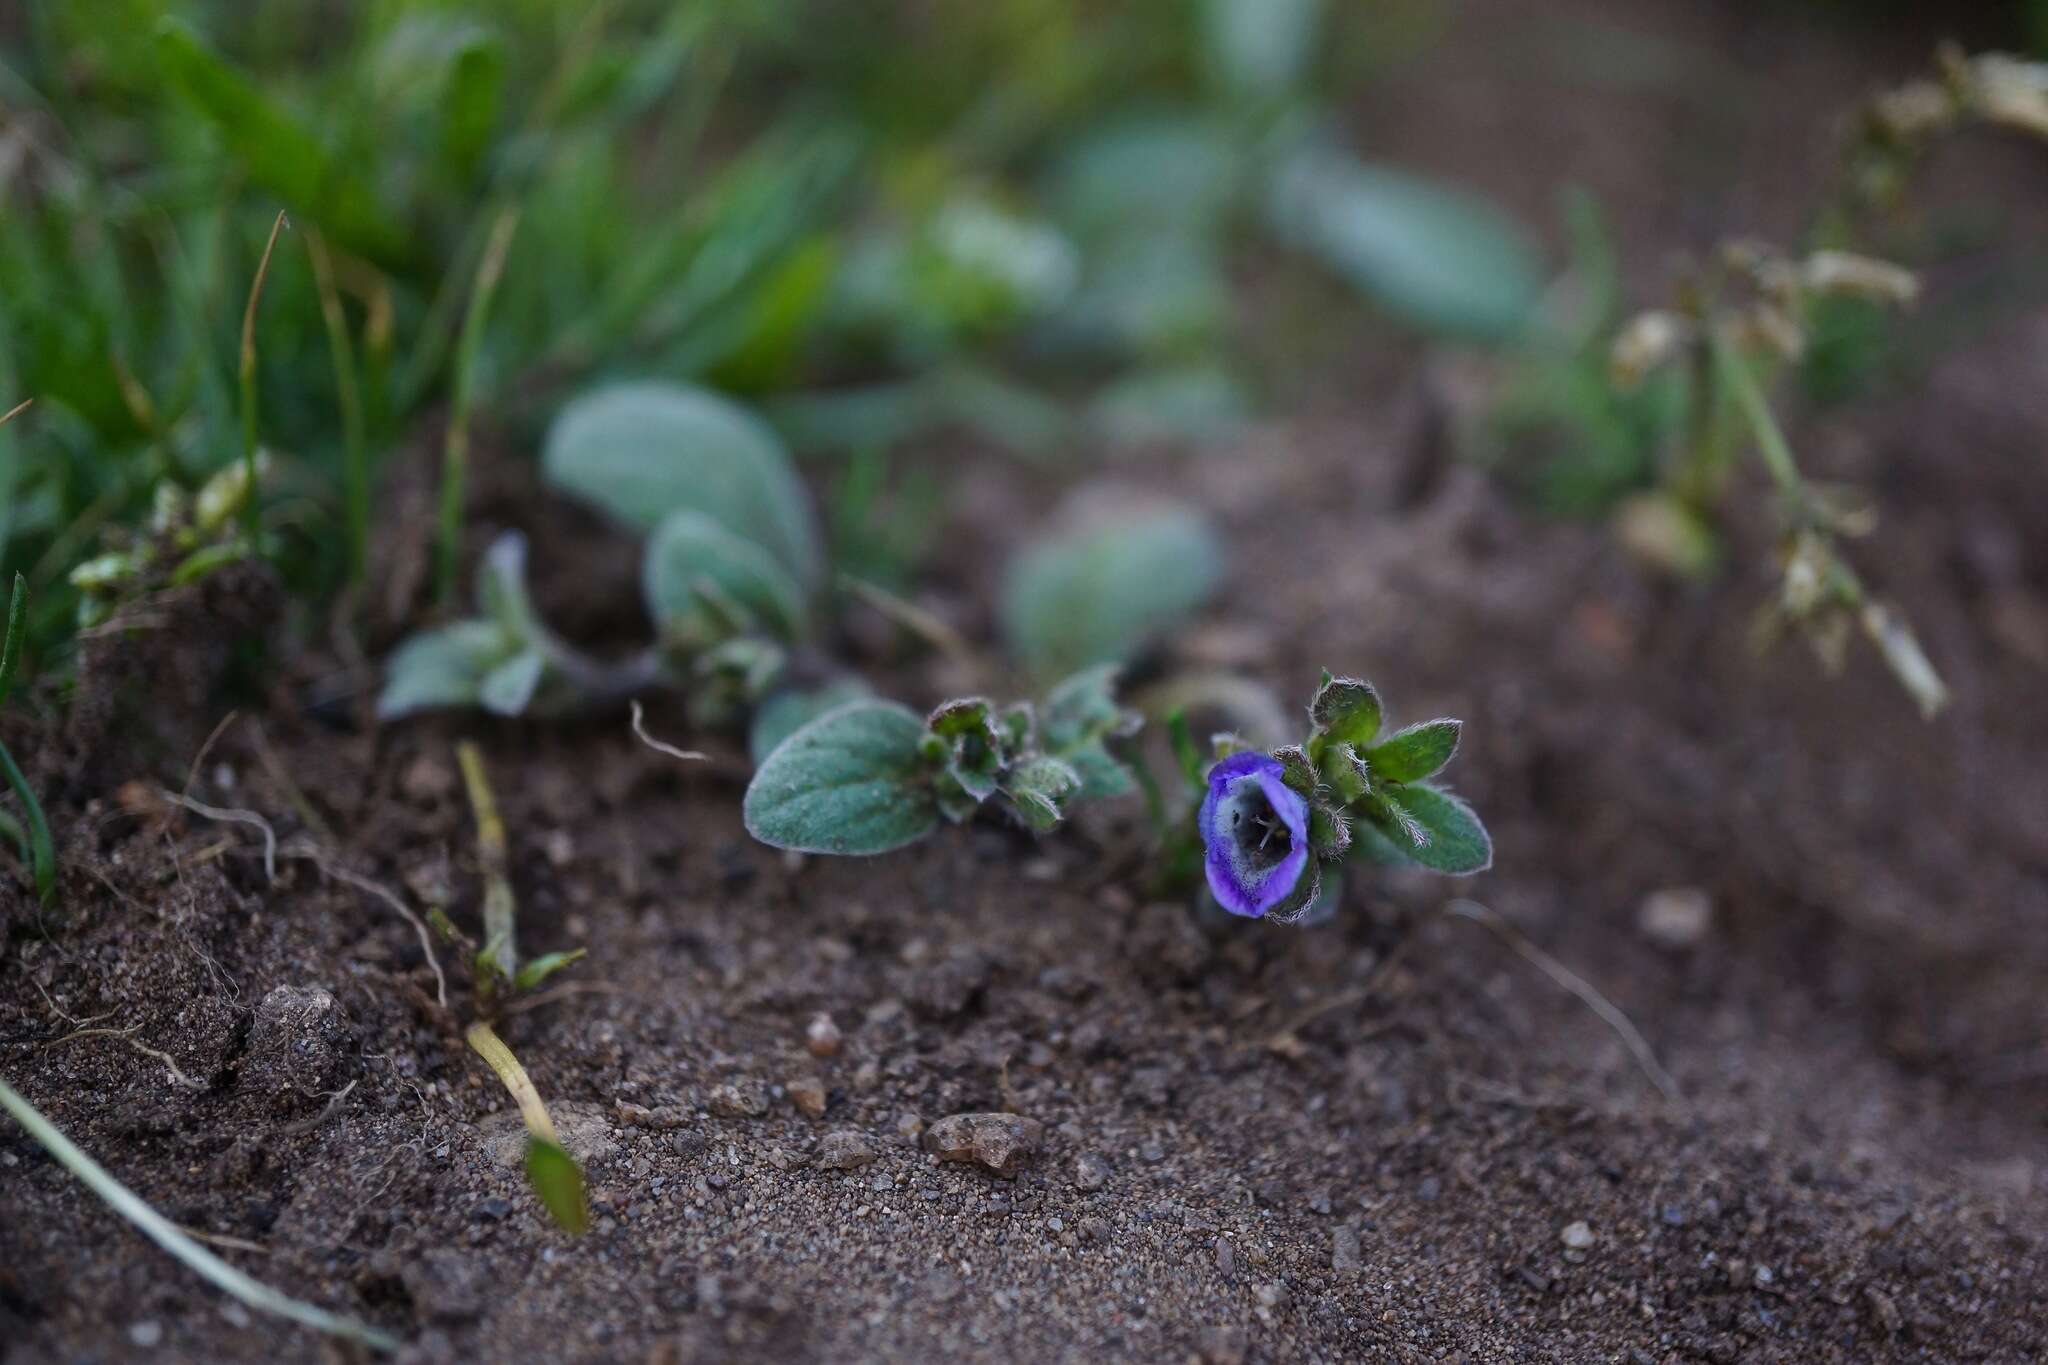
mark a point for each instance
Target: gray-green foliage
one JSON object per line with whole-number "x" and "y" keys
{"x": 852, "y": 781}
{"x": 869, "y": 776}
{"x": 1102, "y": 593}
{"x": 1433, "y": 256}
{"x": 643, "y": 451}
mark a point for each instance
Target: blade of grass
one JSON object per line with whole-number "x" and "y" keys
{"x": 37, "y": 846}
{"x": 171, "y": 1238}
{"x": 251, "y": 510}
{"x": 7, "y": 470}
{"x": 556, "y": 1178}
{"x": 501, "y": 909}
{"x": 455, "y": 461}
{"x": 355, "y": 444}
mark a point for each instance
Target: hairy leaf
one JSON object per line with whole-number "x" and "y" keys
{"x": 642, "y": 451}
{"x": 444, "y": 667}
{"x": 1457, "y": 842}
{"x": 1439, "y": 258}
{"x": 851, "y": 781}
{"x": 1419, "y": 751}
{"x": 788, "y": 711}
{"x": 1103, "y": 593}
{"x": 696, "y": 573}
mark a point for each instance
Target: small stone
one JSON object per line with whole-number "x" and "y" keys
{"x": 843, "y": 1150}
{"x": 1152, "y": 1154}
{"x": 1000, "y": 1142}
{"x": 821, "y": 1036}
{"x": 1578, "y": 1236}
{"x": 743, "y": 1099}
{"x": 1346, "y": 1257}
{"x": 493, "y": 1210}
{"x": 1675, "y": 917}
{"x": 147, "y": 1334}
{"x": 1883, "y": 1311}
{"x": 1091, "y": 1171}
{"x": 807, "y": 1093}
{"x": 1273, "y": 1294}
{"x": 1226, "y": 1257}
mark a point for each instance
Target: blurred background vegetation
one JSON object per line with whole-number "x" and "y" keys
{"x": 1028, "y": 218}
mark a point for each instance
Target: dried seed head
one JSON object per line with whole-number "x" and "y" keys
{"x": 1854, "y": 276}
{"x": 1648, "y": 342}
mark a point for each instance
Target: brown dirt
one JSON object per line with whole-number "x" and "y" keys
{"x": 1855, "y": 1171}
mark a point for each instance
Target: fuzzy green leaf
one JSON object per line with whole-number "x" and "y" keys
{"x": 508, "y": 689}
{"x": 1346, "y": 711}
{"x": 642, "y": 451}
{"x": 788, "y": 711}
{"x": 1442, "y": 259}
{"x": 1455, "y": 841}
{"x": 1261, "y": 47}
{"x": 697, "y": 573}
{"x": 558, "y": 1182}
{"x": 1102, "y": 594}
{"x": 850, "y": 782}
{"x": 1416, "y": 752}
{"x": 444, "y": 667}
{"x": 1039, "y": 788}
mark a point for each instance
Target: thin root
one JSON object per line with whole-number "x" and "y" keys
{"x": 1571, "y": 981}
{"x": 640, "y": 730}
{"x": 337, "y": 872}
{"x": 240, "y": 817}
{"x": 178, "y": 1077}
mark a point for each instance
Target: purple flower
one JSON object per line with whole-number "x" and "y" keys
{"x": 1256, "y": 830}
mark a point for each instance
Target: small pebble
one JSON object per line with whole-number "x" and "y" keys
{"x": 1675, "y": 917}
{"x": 822, "y": 1036}
{"x": 146, "y": 1334}
{"x": 1000, "y": 1142}
{"x": 1091, "y": 1171}
{"x": 1346, "y": 1257}
{"x": 1226, "y": 1257}
{"x": 843, "y": 1150}
{"x": 807, "y": 1093}
{"x": 1578, "y": 1236}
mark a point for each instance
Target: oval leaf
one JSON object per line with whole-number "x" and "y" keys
{"x": 1437, "y": 257}
{"x": 696, "y": 573}
{"x": 444, "y": 667}
{"x": 1417, "y": 752}
{"x": 1456, "y": 842}
{"x": 558, "y": 1181}
{"x": 783, "y": 714}
{"x": 643, "y": 451}
{"x": 1100, "y": 595}
{"x": 849, "y": 782}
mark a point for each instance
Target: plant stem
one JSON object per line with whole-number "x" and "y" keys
{"x": 1771, "y": 445}
{"x": 356, "y": 451}
{"x": 251, "y": 512}
{"x": 489, "y": 1046}
{"x": 42, "y": 852}
{"x": 501, "y": 909}
{"x": 455, "y": 463}
{"x": 171, "y": 1238}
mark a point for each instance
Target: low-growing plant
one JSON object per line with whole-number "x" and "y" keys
{"x": 871, "y": 777}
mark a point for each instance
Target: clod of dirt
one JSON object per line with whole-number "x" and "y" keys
{"x": 844, "y": 1150}
{"x": 300, "y": 1045}
{"x": 445, "y": 1286}
{"x": 585, "y": 1131}
{"x": 1001, "y": 1142}
{"x": 949, "y": 987}
{"x": 738, "y": 1100}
